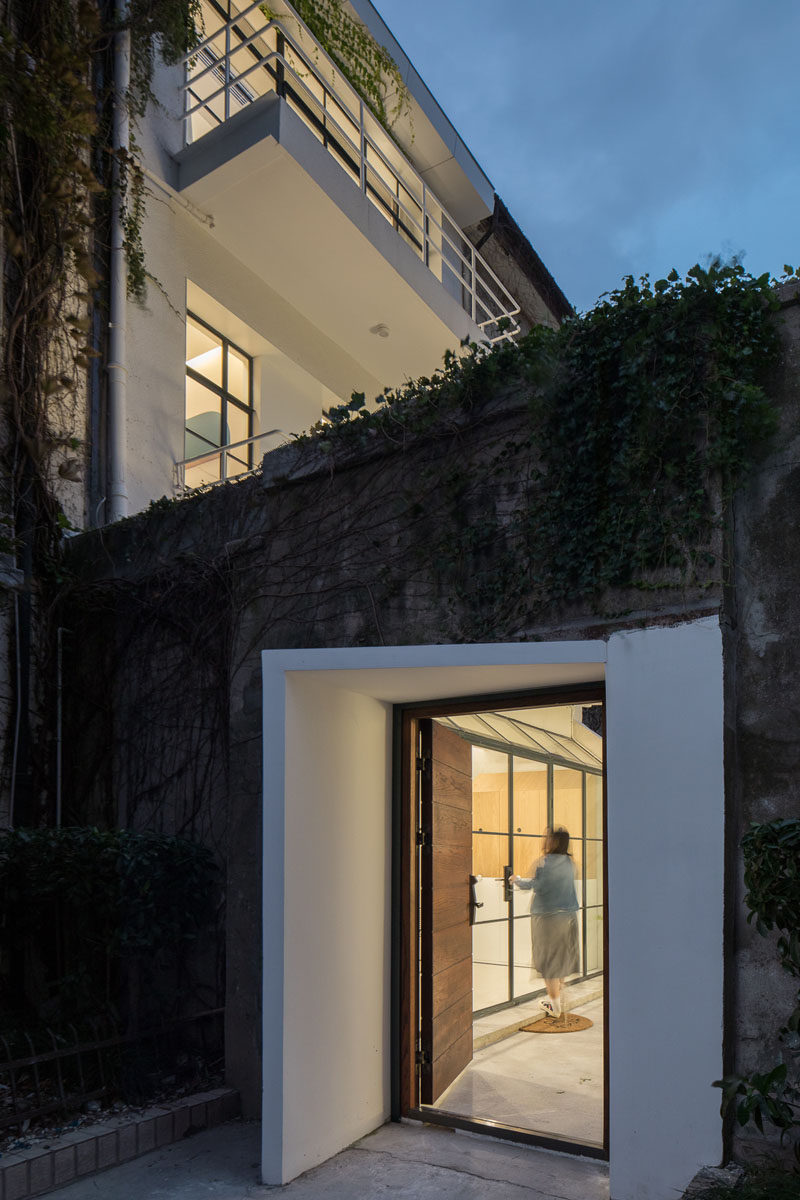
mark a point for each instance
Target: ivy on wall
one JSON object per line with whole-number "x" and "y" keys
{"x": 772, "y": 879}
{"x": 643, "y": 416}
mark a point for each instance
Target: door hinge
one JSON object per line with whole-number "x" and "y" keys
{"x": 423, "y": 1061}
{"x": 424, "y": 763}
{"x": 422, "y": 838}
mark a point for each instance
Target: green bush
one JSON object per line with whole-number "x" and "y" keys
{"x": 82, "y": 909}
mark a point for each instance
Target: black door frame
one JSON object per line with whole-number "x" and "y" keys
{"x": 404, "y": 886}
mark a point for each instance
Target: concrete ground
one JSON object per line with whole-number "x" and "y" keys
{"x": 407, "y": 1161}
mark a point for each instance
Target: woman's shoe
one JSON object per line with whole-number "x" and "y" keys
{"x": 551, "y": 1007}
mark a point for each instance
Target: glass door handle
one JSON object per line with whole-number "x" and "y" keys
{"x": 506, "y": 884}
{"x": 474, "y": 902}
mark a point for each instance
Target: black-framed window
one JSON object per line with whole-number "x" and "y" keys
{"x": 219, "y": 405}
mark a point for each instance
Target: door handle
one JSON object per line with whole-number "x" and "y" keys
{"x": 506, "y": 885}
{"x": 474, "y": 902}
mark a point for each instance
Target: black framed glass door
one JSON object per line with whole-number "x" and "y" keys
{"x": 515, "y": 797}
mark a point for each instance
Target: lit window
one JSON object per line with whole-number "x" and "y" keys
{"x": 219, "y": 406}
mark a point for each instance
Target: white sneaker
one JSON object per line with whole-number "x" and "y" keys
{"x": 551, "y": 1007}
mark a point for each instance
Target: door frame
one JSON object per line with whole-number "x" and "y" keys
{"x": 405, "y": 964}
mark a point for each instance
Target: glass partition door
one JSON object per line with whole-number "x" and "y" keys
{"x": 514, "y": 799}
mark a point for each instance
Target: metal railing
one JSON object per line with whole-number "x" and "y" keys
{"x": 99, "y": 1062}
{"x": 250, "y": 55}
{"x": 228, "y": 465}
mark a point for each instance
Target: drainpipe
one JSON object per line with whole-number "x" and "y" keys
{"x": 117, "y": 503}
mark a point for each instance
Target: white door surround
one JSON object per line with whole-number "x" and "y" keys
{"x": 327, "y": 896}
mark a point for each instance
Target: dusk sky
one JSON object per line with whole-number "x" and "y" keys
{"x": 625, "y": 136}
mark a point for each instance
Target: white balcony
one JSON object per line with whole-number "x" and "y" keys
{"x": 259, "y": 90}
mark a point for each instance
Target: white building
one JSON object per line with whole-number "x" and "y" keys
{"x": 299, "y": 252}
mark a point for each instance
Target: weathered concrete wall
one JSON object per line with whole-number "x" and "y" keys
{"x": 762, "y": 657}
{"x": 171, "y": 609}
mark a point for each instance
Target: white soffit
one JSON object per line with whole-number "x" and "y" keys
{"x": 283, "y": 206}
{"x": 411, "y": 674}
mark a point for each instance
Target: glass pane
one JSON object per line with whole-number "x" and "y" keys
{"x": 489, "y": 854}
{"x": 530, "y": 796}
{"x": 522, "y": 947}
{"x": 203, "y": 411}
{"x": 489, "y": 964}
{"x": 200, "y": 473}
{"x": 489, "y": 793}
{"x": 489, "y": 894}
{"x": 203, "y": 351}
{"x": 568, "y": 802}
{"x": 234, "y": 466}
{"x": 238, "y": 375}
{"x": 237, "y": 427}
{"x": 527, "y": 852}
{"x": 594, "y": 806}
{"x": 594, "y": 939}
{"x": 594, "y": 872}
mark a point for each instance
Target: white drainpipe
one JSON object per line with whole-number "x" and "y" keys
{"x": 117, "y": 504}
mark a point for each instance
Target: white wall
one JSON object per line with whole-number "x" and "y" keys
{"x": 327, "y": 761}
{"x": 337, "y": 920}
{"x": 665, "y": 870}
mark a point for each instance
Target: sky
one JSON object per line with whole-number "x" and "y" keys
{"x": 625, "y": 136}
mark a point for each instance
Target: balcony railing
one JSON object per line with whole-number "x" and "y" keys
{"x": 249, "y": 56}
{"x": 218, "y": 464}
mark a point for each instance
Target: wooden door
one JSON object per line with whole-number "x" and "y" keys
{"x": 446, "y": 941}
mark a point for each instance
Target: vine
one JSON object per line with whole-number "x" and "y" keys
{"x": 368, "y": 66}
{"x": 643, "y": 418}
{"x": 772, "y": 878}
{"x": 55, "y": 118}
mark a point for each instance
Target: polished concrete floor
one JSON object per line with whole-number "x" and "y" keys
{"x": 546, "y": 1083}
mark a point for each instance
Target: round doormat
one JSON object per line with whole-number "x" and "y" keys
{"x": 566, "y": 1023}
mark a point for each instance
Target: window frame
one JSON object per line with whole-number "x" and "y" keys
{"x": 225, "y": 396}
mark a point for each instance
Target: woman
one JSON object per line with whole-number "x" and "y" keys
{"x": 554, "y": 916}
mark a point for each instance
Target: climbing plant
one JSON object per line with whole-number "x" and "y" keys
{"x": 772, "y": 878}
{"x": 56, "y": 98}
{"x": 368, "y": 66}
{"x": 643, "y": 416}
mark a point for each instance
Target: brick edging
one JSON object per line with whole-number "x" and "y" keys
{"x": 108, "y": 1143}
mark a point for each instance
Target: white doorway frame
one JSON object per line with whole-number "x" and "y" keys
{"x": 327, "y": 887}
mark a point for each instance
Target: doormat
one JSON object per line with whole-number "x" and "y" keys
{"x": 566, "y": 1023}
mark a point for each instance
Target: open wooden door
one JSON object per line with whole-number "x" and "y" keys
{"x": 446, "y": 936}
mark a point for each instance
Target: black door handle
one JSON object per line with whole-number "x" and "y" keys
{"x": 474, "y": 902}
{"x": 506, "y": 885}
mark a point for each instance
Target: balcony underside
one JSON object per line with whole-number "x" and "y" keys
{"x": 282, "y": 205}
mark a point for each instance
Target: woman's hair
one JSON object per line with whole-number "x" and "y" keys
{"x": 556, "y": 841}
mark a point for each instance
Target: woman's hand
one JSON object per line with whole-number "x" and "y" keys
{"x": 513, "y": 878}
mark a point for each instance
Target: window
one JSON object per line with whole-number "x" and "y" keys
{"x": 219, "y": 406}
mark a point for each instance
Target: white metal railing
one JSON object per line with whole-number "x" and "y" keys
{"x": 250, "y": 55}
{"x": 228, "y": 465}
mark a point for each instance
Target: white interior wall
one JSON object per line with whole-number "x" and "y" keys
{"x": 665, "y": 828}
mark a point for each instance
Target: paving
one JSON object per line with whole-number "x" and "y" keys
{"x": 398, "y": 1161}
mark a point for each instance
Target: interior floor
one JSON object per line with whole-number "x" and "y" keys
{"x": 547, "y": 1083}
